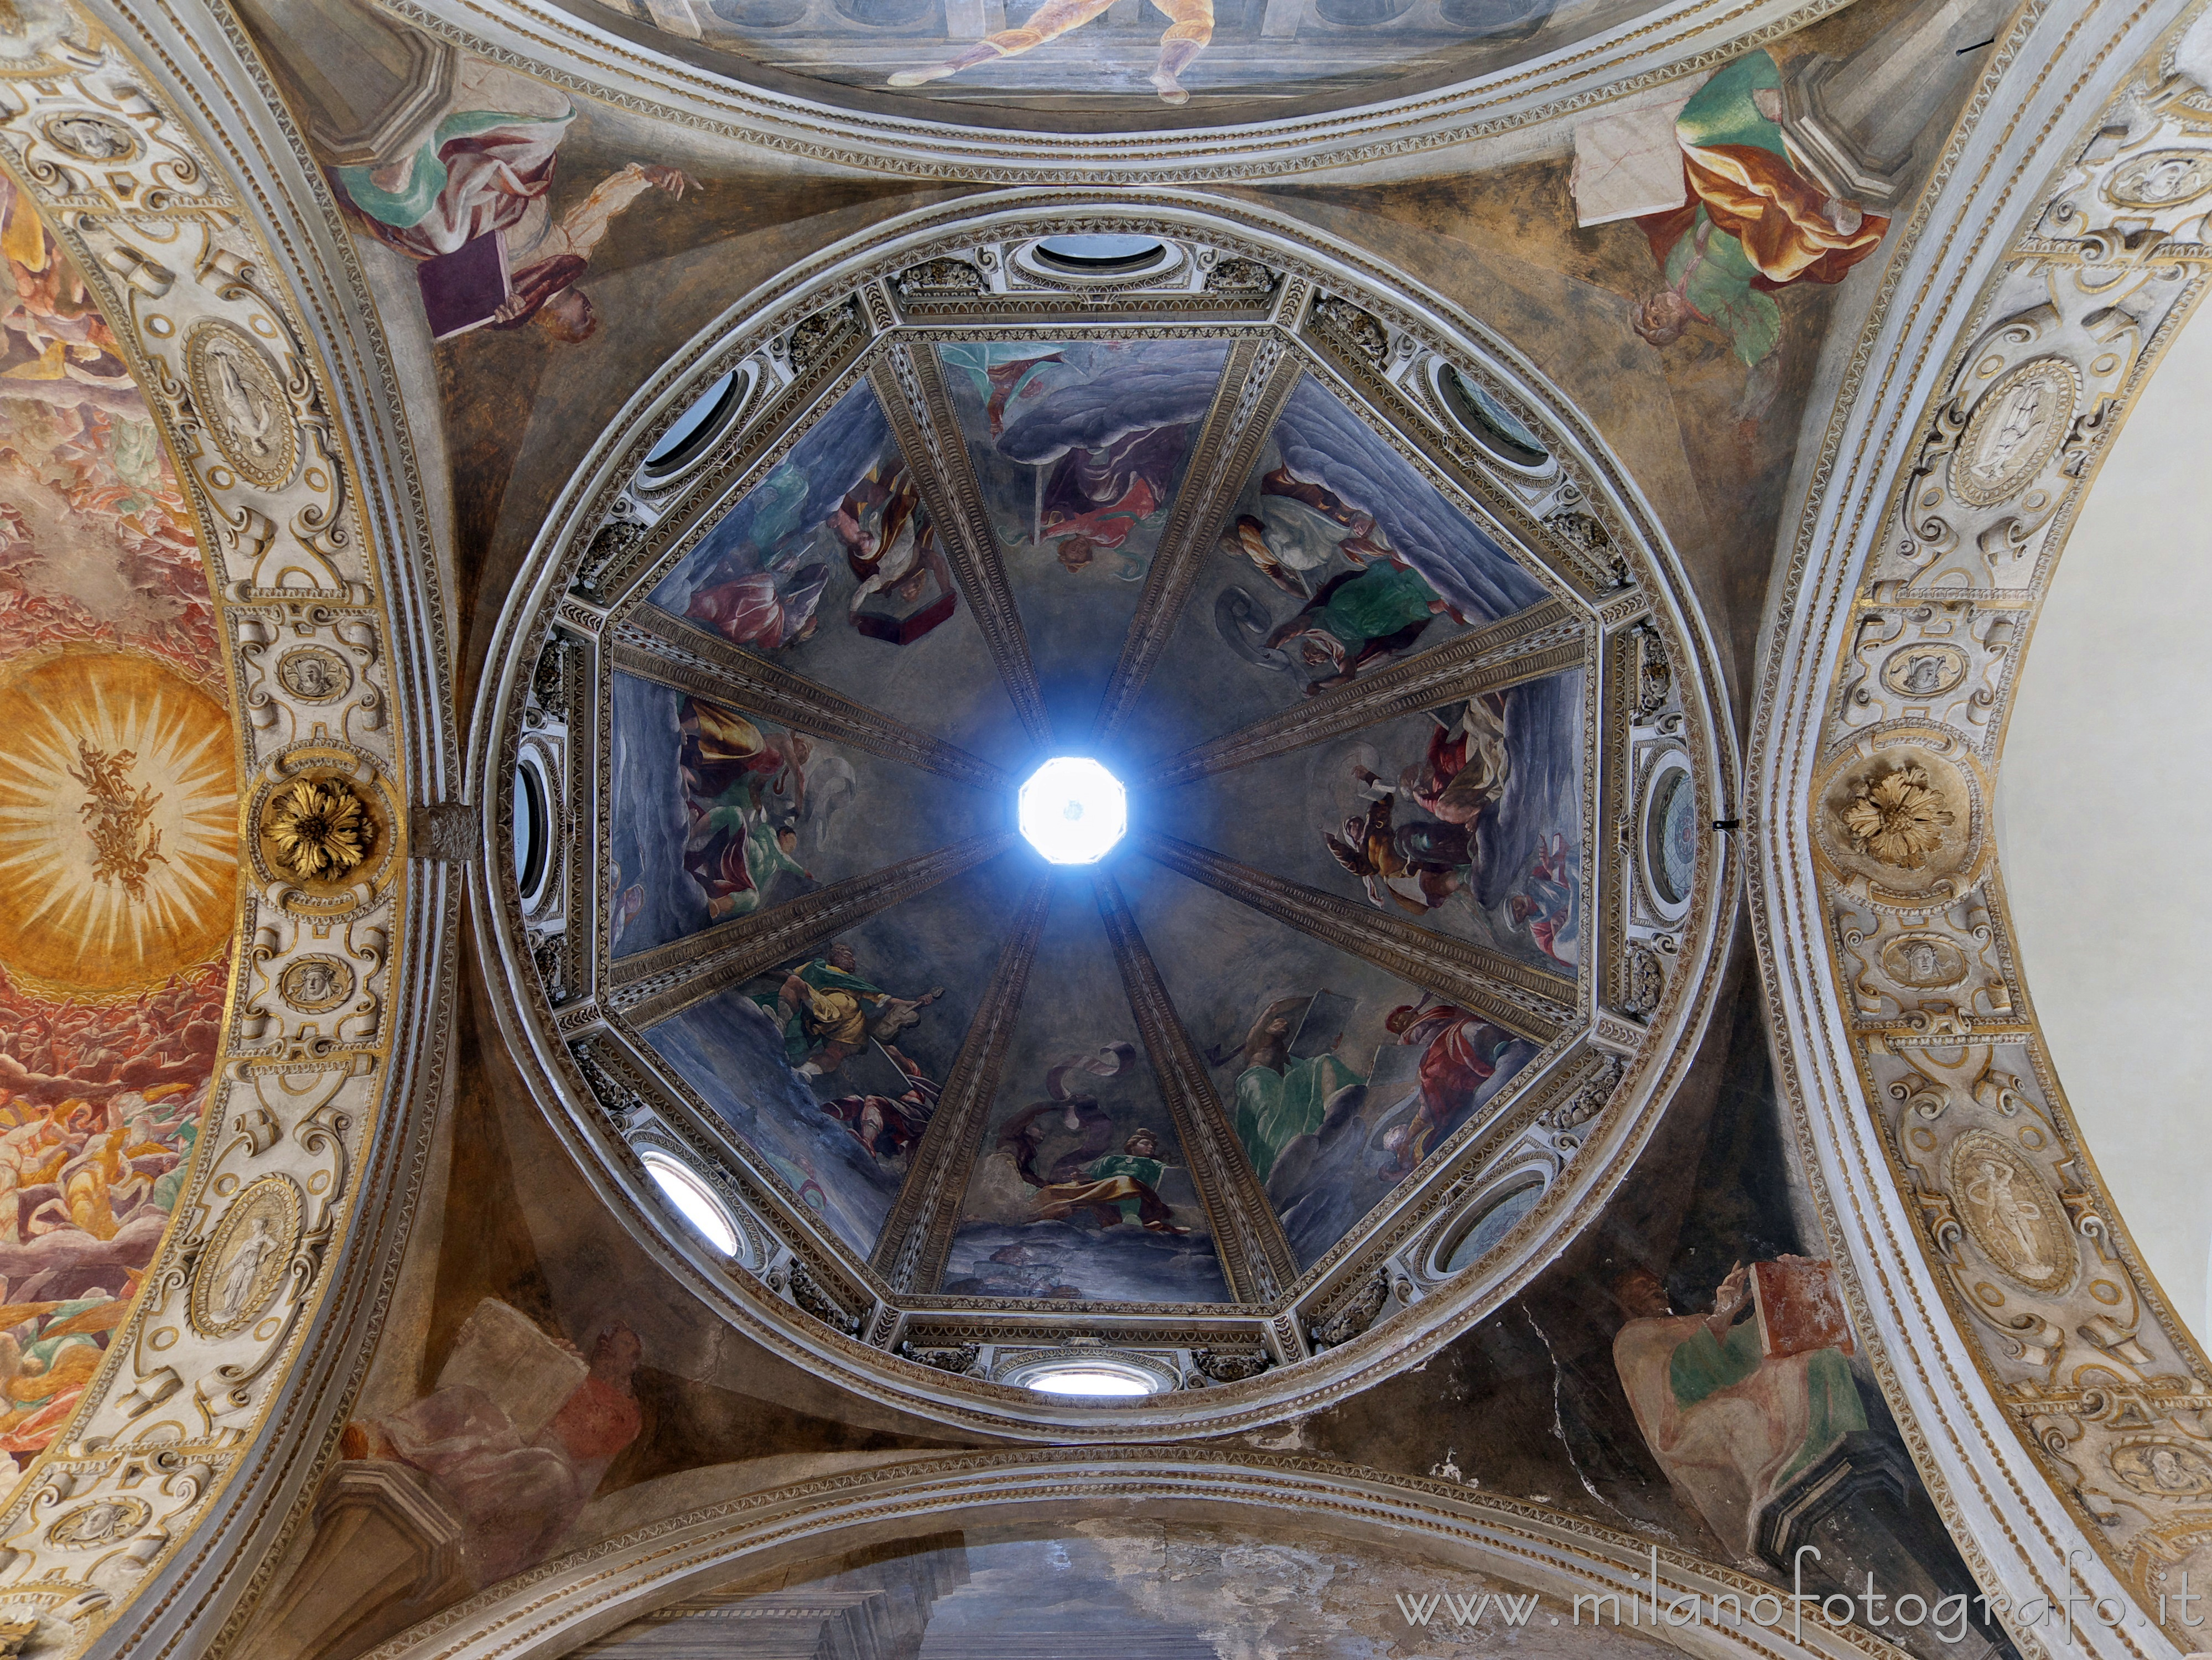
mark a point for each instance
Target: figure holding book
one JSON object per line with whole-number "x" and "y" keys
{"x": 1736, "y": 1403}
{"x": 474, "y": 199}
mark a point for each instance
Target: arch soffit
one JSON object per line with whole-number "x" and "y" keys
{"x": 2058, "y": 247}
{"x": 204, "y": 221}
{"x": 554, "y": 1609}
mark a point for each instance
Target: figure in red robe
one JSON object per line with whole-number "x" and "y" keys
{"x": 1460, "y": 1056}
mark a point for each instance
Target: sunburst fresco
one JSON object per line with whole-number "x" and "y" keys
{"x": 71, "y": 915}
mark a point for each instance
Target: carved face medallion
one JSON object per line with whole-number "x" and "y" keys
{"x": 1924, "y": 961}
{"x": 241, "y": 398}
{"x": 1928, "y": 670}
{"x": 315, "y": 674}
{"x": 315, "y": 984}
{"x": 90, "y": 138}
{"x": 2014, "y": 429}
{"x": 243, "y": 1267}
{"x": 2163, "y": 1467}
{"x": 2162, "y": 178}
{"x": 101, "y": 1523}
{"x": 2011, "y": 1211}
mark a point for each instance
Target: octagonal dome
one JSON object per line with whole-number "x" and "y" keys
{"x": 1328, "y": 1036}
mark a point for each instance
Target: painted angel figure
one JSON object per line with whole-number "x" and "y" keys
{"x": 1190, "y": 27}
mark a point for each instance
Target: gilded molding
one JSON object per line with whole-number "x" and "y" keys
{"x": 1522, "y": 1000}
{"x": 917, "y": 1235}
{"x": 652, "y": 985}
{"x": 1939, "y": 1146}
{"x": 1259, "y": 378}
{"x": 912, "y": 391}
{"x": 654, "y": 646}
{"x": 1546, "y": 639}
{"x": 1255, "y": 1257}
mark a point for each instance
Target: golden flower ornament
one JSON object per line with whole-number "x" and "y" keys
{"x": 1899, "y": 818}
{"x": 320, "y": 829}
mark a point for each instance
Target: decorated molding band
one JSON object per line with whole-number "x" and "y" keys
{"x": 552, "y": 1609}
{"x": 1650, "y": 50}
{"x": 247, "y": 327}
{"x": 1575, "y": 1115}
{"x": 2058, "y": 1399}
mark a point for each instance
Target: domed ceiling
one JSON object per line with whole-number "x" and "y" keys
{"x": 1270, "y": 559}
{"x": 1463, "y": 818}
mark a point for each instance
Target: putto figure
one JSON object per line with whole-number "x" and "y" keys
{"x": 1190, "y": 27}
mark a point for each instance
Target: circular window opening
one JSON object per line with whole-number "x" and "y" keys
{"x": 695, "y": 428}
{"x": 1503, "y": 434}
{"x": 693, "y": 1202}
{"x": 1493, "y": 1226}
{"x": 1100, "y": 255}
{"x": 1091, "y": 1379}
{"x": 533, "y": 831}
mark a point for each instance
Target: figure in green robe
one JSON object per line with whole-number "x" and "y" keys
{"x": 1752, "y": 222}
{"x": 1116, "y": 1188}
{"x": 1282, "y": 1097}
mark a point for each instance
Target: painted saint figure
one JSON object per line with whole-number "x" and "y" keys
{"x": 1190, "y": 27}
{"x": 743, "y": 793}
{"x": 828, "y": 1014}
{"x": 1116, "y": 1188}
{"x": 1282, "y": 1097}
{"x": 1730, "y": 1423}
{"x": 1752, "y": 224}
{"x": 515, "y": 1498}
{"x": 1359, "y": 616}
{"x": 488, "y": 170}
{"x": 1417, "y": 863}
{"x": 1460, "y": 1053}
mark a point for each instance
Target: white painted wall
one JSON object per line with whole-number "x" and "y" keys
{"x": 2104, "y": 823}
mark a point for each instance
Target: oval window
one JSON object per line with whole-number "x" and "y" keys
{"x": 1089, "y": 1380}
{"x": 534, "y": 830}
{"x": 695, "y": 428}
{"x": 1670, "y": 833}
{"x": 1100, "y": 255}
{"x": 1503, "y": 434}
{"x": 1493, "y": 1226}
{"x": 692, "y": 1201}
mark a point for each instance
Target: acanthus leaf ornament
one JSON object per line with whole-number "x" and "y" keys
{"x": 321, "y": 829}
{"x": 1897, "y": 818}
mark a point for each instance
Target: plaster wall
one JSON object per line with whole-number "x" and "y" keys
{"x": 2113, "y": 718}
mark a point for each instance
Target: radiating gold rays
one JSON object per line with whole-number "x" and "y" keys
{"x": 60, "y": 921}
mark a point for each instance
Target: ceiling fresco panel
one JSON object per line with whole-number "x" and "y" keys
{"x": 832, "y": 567}
{"x": 1467, "y": 817}
{"x": 1338, "y": 559}
{"x": 1066, "y": 1199}
{"x": 1078, "y": 63}
{"x": 119, "y": 837}
{"x": 1340, "y": 1078}
{"x": 1079, "y": 448}
{"x": 728, "y": 815}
